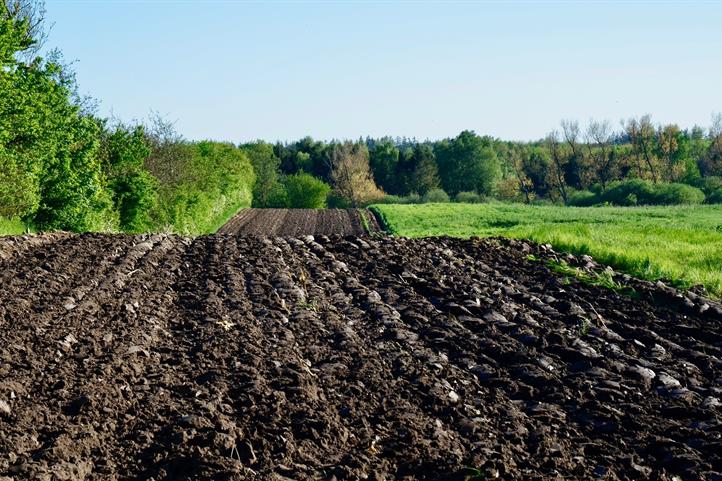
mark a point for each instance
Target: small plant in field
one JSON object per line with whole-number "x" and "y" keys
{"x": 308, "y": 305}
{"x": 477, "y": 474}
{"x": 584, "y": 327}
{"x": 604, "y": 278}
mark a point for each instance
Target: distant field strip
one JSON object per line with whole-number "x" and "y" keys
{"x": 299, "y": 222}
{"x": 682, "y": 244}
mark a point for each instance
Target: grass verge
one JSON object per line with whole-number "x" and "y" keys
{"x": 12, "y": 227}
{"x": 680, "y": 244}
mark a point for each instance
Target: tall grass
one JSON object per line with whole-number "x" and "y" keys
{"x": 682, "y": 244}
{"x": 11, "y": 227}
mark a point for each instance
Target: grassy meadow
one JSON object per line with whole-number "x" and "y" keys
{"x": 682, "y": 244}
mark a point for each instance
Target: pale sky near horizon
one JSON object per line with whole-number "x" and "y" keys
{"x": 238, "y": 71}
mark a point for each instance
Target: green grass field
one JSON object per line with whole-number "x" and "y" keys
{"x": 682, "y": 244}
{"x": 11, "y": 227}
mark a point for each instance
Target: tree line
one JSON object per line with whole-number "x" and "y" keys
{"x": 638, "y": 163}
{"x": 64, "y": 167}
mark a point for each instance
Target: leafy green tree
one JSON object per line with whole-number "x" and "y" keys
{"x": 466, "y": 163}
{"x": 351, "y": 174}
{"x": 123, "y": 152}
{"x": 642, "y": 135}
{"x": 306, "y": 191}
{"x": 47, "y": 143}
{"x": 266, "y": 165}
{"x": 711, "y": 163}
{"x": 73, "y": 191}
{"x": 417, "y": 170}
{"x": 383, "y": 159}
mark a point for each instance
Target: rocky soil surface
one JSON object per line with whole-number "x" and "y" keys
{"x": 330, "y": 358}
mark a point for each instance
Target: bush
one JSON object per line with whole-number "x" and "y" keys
{"x": 336, "y": 201}
{"x": 468, "y": 197}
{"x": 583, "y": 198}
{"x": 642, "y": 192}
{"x": 712, "y": 188}
{"x": 123, "y": 151}
{"x": 435, "y": 195}
{"x": 397, "y": 199}
{"x": 715, "y": 197}
{"x": 412, "y": 198}
{"x": 276, "y": 197}
{"x": 306, "y": 191}
{"x": 211, "y": 181}
{"x": 620, "y": 193}
{"x": 672, "y": 194}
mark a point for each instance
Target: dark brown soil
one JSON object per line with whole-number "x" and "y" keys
{"x": 300, "y": 222}
{"x": 230, "y": 357}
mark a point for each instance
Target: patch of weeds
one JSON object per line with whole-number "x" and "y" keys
{"x": 308, "y": 305}
{"x": 532, "y": 258}
{"x": 604, "y": 278}
{"x": 476, "y": 474}
{"x": 365, "y": 221}
{"x": 584, "y": 326}
{"x": 503, "y": 223}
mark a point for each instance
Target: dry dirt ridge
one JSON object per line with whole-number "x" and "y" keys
{"x": 225, "y": 357}
{"x": 300, "y": 222}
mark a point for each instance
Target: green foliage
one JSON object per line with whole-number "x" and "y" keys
{"x": 638, "y": 192}
{"x": 675, "y": 194}
{"x": 50, "y": 172}
{"x": 468, "y": 162}
{"x": 712, "y": 188}
{"x": 123, "y": 151}
{"x": 583, "y": 198}
{"x": 214, "y": 182}
{"x": 399, "y": 199}
{"x": 268, "y": 191}
{"x": 642, "y": 192}
{"x": 683, "y": 243}
{"x": 416, "y": 170}
{"x": 435, "y": 195}
{"x": 306, "y": 191}
{"x": 336, "y": 201}
{"x": 9, "y": 226}
{"x": 468, "y": 198}
{"x": 73, "y": 192}
{"x": 384, "y": 159}
{"x": 715, "y": 197}
{"x": 306, "y": 155}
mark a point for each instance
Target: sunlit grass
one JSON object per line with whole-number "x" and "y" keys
{"x": 682, "y": 244}
{"x": 11, "y": 227}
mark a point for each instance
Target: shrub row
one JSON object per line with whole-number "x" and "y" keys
{"x": 639, "y": 192}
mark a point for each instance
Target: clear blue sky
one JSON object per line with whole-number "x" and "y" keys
{"x": 233, "y": 70}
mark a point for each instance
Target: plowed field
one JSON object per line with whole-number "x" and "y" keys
{"x": 226, "y": 357}
{"x": 298, "y": 222}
